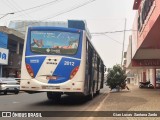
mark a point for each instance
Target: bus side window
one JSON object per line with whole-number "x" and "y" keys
{"x": 87, "y": 51}
{"x": 90, "y": 56}
{"x": 98, "y": 63}
{"x": 87, "y": 45}
{"x": 100, "y": 67}
{"x": 93, "y": 59}
{"x": 96, "y": 60}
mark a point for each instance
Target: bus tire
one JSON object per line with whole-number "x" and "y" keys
{"x": 54, "y": 96}
{"x": 91, "y": 95}
{"x": 16, "y": 92}
{"x": 5, "y": 92}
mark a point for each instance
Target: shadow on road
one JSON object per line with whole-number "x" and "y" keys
{"x": 1, "y": 94}
{"x": 65, "y": 101}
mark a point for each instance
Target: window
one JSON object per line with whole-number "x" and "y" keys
{"x": 54, "y": 42}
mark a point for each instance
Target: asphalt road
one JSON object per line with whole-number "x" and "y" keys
{"x": 39, "y": 102}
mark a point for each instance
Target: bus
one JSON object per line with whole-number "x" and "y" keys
{"x": 61, "y": 60}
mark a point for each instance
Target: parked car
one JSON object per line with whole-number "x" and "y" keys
{"x": 10, "y": 85}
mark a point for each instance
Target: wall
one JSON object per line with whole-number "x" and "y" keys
{"x": 134, "y": 35}
{"x": 3, "y": 40}
{"x": 129, "y": 52}
{"x": 149, "y": 21}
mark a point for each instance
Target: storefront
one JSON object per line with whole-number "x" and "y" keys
{"x": 3, "y": 58}
{"x": 11, "y": 48}
{"x": 144, "y": 61}
{"x": 3, "y": 51}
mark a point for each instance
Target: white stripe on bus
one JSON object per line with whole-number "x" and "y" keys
{"x": 50, "y": 56}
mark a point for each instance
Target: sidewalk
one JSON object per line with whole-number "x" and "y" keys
{"x": 134, "y": 100}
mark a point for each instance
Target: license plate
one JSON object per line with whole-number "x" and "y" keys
{"x": 50, "y": 87}
{"x": 51, "y": 77}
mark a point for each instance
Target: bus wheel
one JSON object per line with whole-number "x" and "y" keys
{"x": 54, "y": 96}
{"x": 16, "y": 92}
{"x": 91, "y": 95}
{"x": 5, "y": 92}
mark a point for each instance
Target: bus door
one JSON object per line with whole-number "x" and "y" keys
{"x": 90, "y": 73}
{"x": 98, "y": 72}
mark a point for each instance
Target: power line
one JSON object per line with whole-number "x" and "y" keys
{"x": 26, "y": 12}
{"x": 62, "y": 12}
{"x": 69, "y": 10}
{"x": 19, "y": 8}
{"x": 111, "y": 39}
{"x": 14, "y": 7}
{"x": 119, "y": 31}
{"x": 36, "y": 6}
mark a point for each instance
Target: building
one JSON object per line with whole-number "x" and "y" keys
{"x": 11, "y": 48}
{"x": 21, "y": 25}
{"x": 143, "y": 53}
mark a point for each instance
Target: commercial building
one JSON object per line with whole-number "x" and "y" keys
{"x": 143, "y": 53}
{"x": 11, "y": 48}
{"x": 21, "y": 25}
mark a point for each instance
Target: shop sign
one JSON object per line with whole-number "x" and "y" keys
{"x": 3, "y": 56}
{"x": 146, "y": 62}
{"x": 3, "y": 40}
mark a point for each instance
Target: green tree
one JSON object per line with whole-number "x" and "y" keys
{"x": 115, "y": 76}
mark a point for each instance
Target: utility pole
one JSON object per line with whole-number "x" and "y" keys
{"x": 123, "y": 41}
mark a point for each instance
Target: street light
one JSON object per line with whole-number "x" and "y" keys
{"x": 6, "y": 15}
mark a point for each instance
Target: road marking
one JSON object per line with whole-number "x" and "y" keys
{"x": 99, "y": 106}
{"x": 14, "y": 102}
{"x": 102, "y": 103}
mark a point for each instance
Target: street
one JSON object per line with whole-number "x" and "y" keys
{"x": 134, "y": 100}
{"x": 39, "y": 102}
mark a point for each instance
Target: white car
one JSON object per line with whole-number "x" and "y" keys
{"x": 9, "y": 85}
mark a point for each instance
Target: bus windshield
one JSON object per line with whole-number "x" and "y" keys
{"x": 54, "y": 42}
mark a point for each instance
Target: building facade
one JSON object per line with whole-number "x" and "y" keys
{"x": 143, "y": 53}
{"x": 3, "y": 50}
{"x": 11, "y": 48}
{"x": 21, "y": 25}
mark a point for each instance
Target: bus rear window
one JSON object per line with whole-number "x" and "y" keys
{"x": 54, "y": 42}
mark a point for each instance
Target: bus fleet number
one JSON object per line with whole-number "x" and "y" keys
{"x": 69, "y": 63}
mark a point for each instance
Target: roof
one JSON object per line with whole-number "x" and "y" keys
{"x": 12, "y": 32}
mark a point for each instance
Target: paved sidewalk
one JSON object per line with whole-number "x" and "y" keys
{"x": 134, "y": 100}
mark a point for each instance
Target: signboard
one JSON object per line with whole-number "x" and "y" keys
{"x": 3, "y": 40}
{"x": 145, "y": 62}
{"x": 3, "y": 56}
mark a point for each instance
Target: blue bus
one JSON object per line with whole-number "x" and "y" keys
{"x": 61, "y": 60}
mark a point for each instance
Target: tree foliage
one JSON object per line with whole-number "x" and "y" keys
{"x": 115, "y": 76}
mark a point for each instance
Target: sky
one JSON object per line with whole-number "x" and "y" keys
{"x": 100, "y": 15}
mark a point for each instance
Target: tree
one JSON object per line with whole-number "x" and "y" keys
{"x": 115, "y": 76}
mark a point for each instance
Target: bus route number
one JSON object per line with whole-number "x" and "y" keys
{"x": 69, "y": 63}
